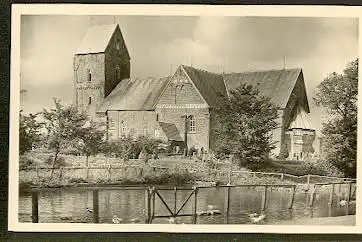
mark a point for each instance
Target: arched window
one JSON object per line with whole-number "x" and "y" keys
{"x": 90, "y": 100}
{"x": 192, "y": 124}
{"x": 89, "y": 75}
{"x": 118, "y": 72}
{"x": 118, "y": 45}
{"x": 123, "y": 127}
{"x": 157, "y": 117}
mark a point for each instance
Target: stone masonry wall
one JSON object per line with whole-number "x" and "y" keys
{"x": 85, "y": 89}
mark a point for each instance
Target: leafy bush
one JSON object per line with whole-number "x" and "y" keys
{"x": 25, "y": 162}
{"x": 320, "y": 167}
{"x": 60, "y": 161}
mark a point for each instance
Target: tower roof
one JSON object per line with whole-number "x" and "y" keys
{"x": 96, "y": 39}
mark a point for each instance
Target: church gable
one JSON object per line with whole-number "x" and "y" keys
{"x": 180, "y": 91}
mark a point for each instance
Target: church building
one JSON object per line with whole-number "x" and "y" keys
{"x": 179, "y": 108}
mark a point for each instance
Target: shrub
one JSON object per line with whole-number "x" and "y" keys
{"x": 320, "y": 167}
{"x": 25, "y": 162}
{"x": 60, "y": 161}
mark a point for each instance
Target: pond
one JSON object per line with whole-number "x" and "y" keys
{"x": 74, "y": 205}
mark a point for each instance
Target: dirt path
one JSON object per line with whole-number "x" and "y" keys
{"x": 349, "y": 220}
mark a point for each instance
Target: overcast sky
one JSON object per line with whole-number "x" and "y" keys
{"x": 157, "y": 45}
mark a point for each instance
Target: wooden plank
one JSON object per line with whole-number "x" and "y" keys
{"x": 175, "y": 198}
{"x": 95, "y": 206}
{"x": 292, "y": 198}
{"x": 163, "y": 201}
{"x": 349, "y": 192}
{"x": 153, "y": 205}
{"x": 263, "y": 200}
{"x": 34, "y": 207}
{"x": 308, "y": 181}
{"x": 195, "y": 205}
{"x": 146, "y": 205}
{"x": 331, "y": 193}
{"x": 185, "y": 202}
{"x": 227, "y": 203}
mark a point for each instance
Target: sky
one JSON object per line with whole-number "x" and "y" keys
{"x": 158, "y": 44}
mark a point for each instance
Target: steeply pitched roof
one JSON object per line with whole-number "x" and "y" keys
{"x": 209, "y": 84}
{"x": 171, "y": 131}
{"x": 134, "y": 94}
{"x": 96, "y": 39}
{"x": 275, "y": 84}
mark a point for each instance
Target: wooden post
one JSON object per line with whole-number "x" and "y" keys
{"x": 292, "y": 198}
{"x": 175, "y": 195}
{"x": 37, "y": 171}
{"x": 146, "y": 204}
{"x": 312, "y": 195}
{"x": 349, "y": 191}
{"x": 149, "y": 214}
{"x": 263, "y": 201}
{"x": 60, "y": 172}
{"x": 227, "y": 203}
{"x": 109, "y": 172}
{"x": 153, "y": 205}
{"x": 95, "y": 206}
{"x": 87, "y": 172}
{"x": 339, "y": 193}
{"x": 308, "y": 182}
{"x": 230, "y": 174}
{"x": 195, "y": 205}
{"x": 34, "y": 207}
{"x": 331, "y": 196}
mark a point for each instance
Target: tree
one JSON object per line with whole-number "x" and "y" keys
{"x": 91, "y": 139}
{"x": 244, "y": 122}
{"x": 337, "y": 94}
{"x": 29, "y": 132}
{"x": 63, "y": 125}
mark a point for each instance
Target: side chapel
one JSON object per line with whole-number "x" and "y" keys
{"x": 179, "y": 108}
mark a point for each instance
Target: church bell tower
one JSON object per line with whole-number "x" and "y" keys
{"x": 100, "y": 63}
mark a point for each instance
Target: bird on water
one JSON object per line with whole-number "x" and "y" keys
{"x": 256, "y": 218}
{"x": 116, "y": 220}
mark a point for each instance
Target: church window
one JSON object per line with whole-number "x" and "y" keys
{"x": 117, "y": 45}
{"x": 118, "y": 72}
{"x": 90, "y": 100}
{"x": 192, "y": 124}
{"x": 157, "y": 117}
{"x": 111, "y": 123}
{"x": 89, "y": 75}
{"x": 123, "y": 127}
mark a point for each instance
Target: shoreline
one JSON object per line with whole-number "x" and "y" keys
{"x": 347, "y": 220}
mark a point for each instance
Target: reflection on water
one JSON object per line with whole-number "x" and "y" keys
{"x": 74, "y": 205}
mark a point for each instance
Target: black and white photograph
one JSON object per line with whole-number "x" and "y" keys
{"x": 184, "y": 120}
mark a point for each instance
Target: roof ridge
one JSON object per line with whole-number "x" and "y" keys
{"x": 286, "y": 69}
{"x": 202, "y": 70}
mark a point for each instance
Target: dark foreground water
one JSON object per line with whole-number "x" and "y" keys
{"x": 70, "y": 205}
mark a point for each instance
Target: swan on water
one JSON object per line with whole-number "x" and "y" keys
{"x": 256, "y": 218}
{"x": 213, "y": 212}
{"x": 135, "y": 220}
{"x": 343, "y": 203}
{"x": 171, "y": 220}
{"x": 116, "y": 220}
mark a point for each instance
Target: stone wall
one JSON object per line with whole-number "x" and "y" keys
{"x": 131, "y": 122}
{"x": 89, "y": 91}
